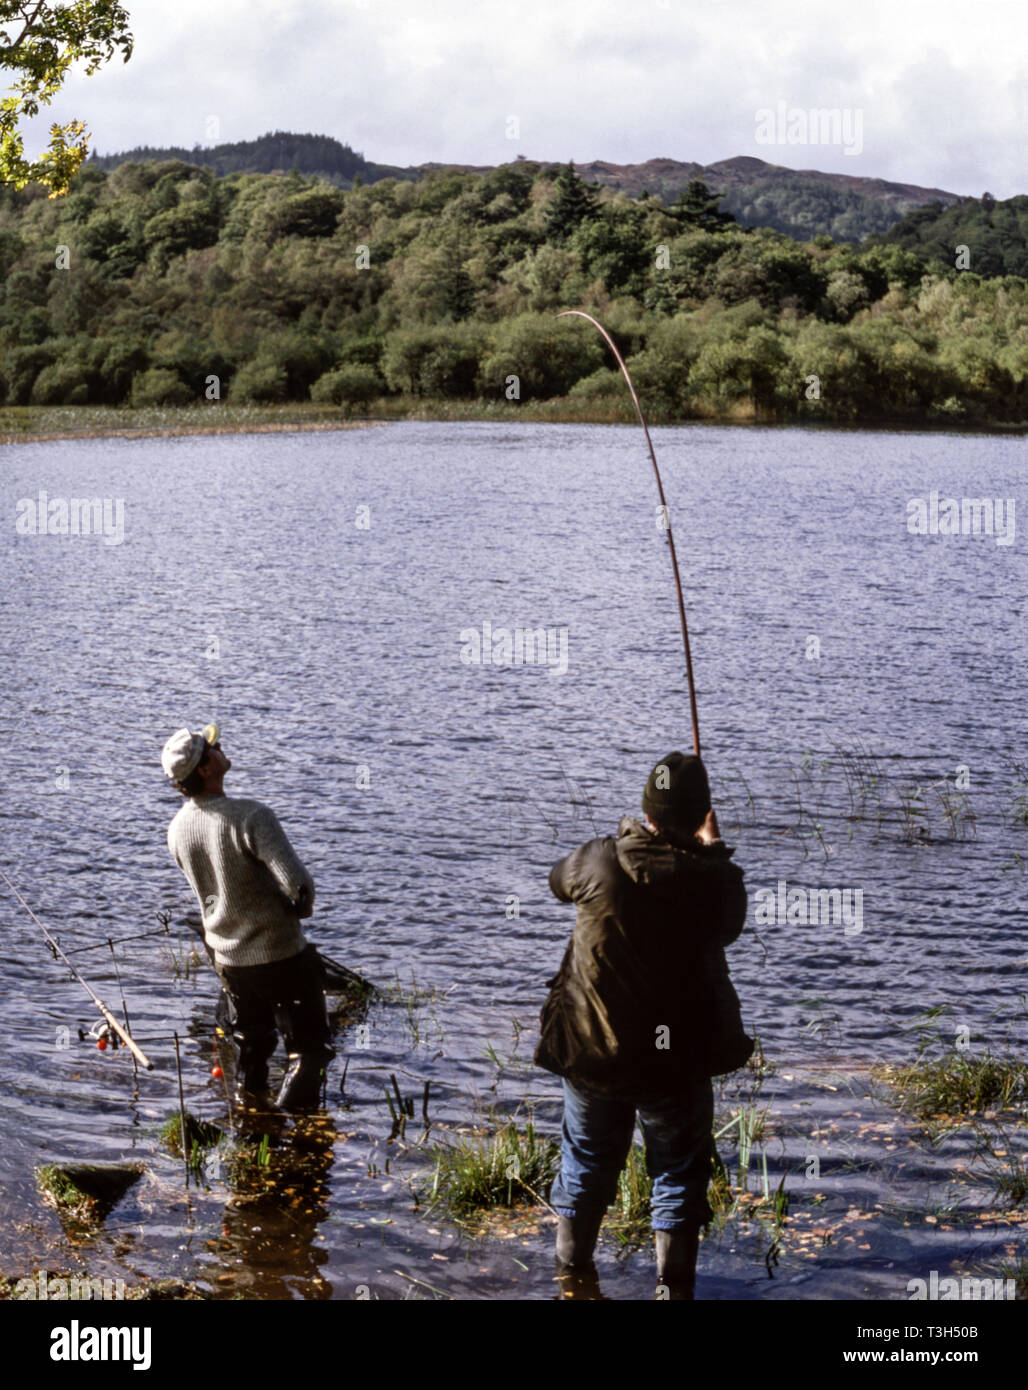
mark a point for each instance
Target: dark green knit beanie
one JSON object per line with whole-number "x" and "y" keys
{"x": 677, "y": 794}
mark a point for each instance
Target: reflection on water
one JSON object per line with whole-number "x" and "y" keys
{"x": 271, "y": 1221}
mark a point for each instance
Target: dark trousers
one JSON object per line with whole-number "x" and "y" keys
{"x": 283, "y": 996}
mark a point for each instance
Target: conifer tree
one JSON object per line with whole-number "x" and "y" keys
{"x": 574, "y": 203}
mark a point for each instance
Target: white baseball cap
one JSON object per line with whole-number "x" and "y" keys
{"x": 184, "y": 751}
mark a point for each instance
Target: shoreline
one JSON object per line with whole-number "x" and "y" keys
{"x": 177, "y": 431}
{"x": 51, "y": 424}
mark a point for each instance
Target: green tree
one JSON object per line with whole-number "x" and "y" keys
{"x": 61, "y": 384}
{"x": 351, "y": 385}
{"x": 545, "y": 355}
{"x": 661, "y": 370}
{"x": 574, "y": 202}
{"x": 732, "y": 368}
{"x": 613, "y": 248}
{"x": 846, "y": 294}
{"x": 191, "y": 225}
{"x": 440, "y": 361}
{"x": 39, "y": 42}
{"x": 160, "y": 386}
{"x": 697, "y": 208}
{"x": 21, "y": 366}
{"x": 313, "y": 212}
{"x": 260, "y": 381}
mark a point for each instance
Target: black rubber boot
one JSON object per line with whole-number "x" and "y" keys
{"x": 252, "y": 1067}
{"x": 676, "y": 1262}
{"x": 304, "y": 1079}
{"x": 576, "y": 1239}
{"x": 582, "y": 1285}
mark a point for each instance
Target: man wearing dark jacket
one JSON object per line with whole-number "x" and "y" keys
{"x": 643, "y": 1013}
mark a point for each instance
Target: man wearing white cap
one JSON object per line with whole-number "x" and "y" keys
{"x": 252, "y": 889}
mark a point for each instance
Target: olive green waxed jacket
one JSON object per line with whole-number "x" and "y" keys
{"x": 643, "y": 1000}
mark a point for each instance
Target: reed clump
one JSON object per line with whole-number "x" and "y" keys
{"x": 506, "y": 1169}
{"x": 955, "y": 1084}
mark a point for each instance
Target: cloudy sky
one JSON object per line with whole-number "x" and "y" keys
{"x": 937, "y": 89}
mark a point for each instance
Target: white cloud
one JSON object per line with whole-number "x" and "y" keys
{"x": 941, "y": 84}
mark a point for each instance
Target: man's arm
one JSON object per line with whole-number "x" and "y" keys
{"x": 580, "y": 872}
{"x": 732, "y": 915}
{"x": 564, "y": 876}
{"x": 268, "y": 842}
{"x": 560, "y": 880}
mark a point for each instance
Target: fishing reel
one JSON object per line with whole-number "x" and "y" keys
{"x": 103, "y": 1035}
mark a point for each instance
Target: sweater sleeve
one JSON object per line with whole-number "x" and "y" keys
{"x": 173, "y": 841}
{"x": 268, "y": 842}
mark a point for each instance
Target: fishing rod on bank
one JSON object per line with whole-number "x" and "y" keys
{"x": 58, "y": 954}
{"x": 580, "y": 313}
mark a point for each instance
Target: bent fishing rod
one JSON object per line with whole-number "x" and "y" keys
{"x": 666, "y": 513}
{"x": 59, "y": 954}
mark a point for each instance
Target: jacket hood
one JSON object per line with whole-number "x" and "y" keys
{"x": 651, "y": 860}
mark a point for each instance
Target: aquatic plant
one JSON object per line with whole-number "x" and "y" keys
{"x": 824, "y": 1019}
{"x": 758, "y": 1063}
{"x": 748, "y": 1124}
{"x": 64, "y": 1195}
{"x": 1010, "y": 1179}
{"x": 509, "y": 1061}
{"x": 956, "y": 1084}
{"x": 199, "y": 1133}
{"x": 185, "y": 963}
{"x": 628, "y": 1219}
{"x": 765, "y": 1204}
{"x": 956, "y": 810}
{"x": 200, "y": 1138}
{"x": 735, "y": 813}
{"x": 1003, "y": 1159}
{"x": 506, "y": 1169}
{"x": 1017, "y": 1270}
{"x": 84, "y": 1192}
{"x": 862, "y": 772}
{"x": 916, "y": 823}
{"x": 411, "y": 996}
{"x": 253, "y": 1155}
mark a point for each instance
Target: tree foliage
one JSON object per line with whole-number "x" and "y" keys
{"x": 39, "y": 42}
{"x": 697, "y": 207}
{"x": 574, "y": 202}
{"x": 285, "y": 288}
{"x": 994, "y": 233}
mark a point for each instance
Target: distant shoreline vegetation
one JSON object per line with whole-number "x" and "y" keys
{"x": 32, "y": 424}
{"x": 160, "y": 287}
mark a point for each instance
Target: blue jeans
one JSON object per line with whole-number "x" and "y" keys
{"x": 597, "y": 1135}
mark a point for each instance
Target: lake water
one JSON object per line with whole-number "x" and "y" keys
{"x": 863, "y": 719}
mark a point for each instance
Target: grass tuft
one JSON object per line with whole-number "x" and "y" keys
{"x": 957, "y": 1085}
{"x": 199, "y": 1134}
{"x": 507, "y": 1169}
{"x": 628, "y": 1220}
{"x": 60, "y": 1192}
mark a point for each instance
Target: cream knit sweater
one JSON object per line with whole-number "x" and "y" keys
{"x": 246, "y": 876}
